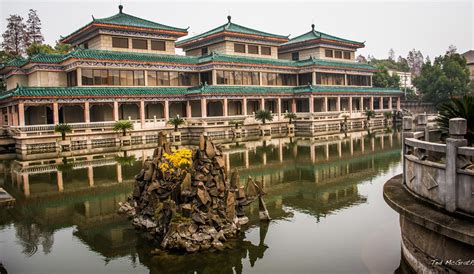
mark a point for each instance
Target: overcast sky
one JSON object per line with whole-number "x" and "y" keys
{"x": 402, "y": 25}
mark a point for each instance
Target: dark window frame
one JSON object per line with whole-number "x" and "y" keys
{"x": 158, "y": 45}
{"x": 136, "y": 43}
{"x": 117, "y": 40}
{"x": 238, "y": 45}
{"x": 263, "y": 50}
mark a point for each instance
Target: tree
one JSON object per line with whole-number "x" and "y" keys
{"x": 62, "y": 48}
{"x": 451, "y": 49}
{"x": 63, "y": 129}
{"x": 415, "y": 61}
{"x": 383, "y": 79}
{"x": 33, "y": 29}
{"x": 59, "y": 48}
{"x": 403, "y": 64}
{"x": 290, "y": 116}
{"x": 263, "y": 115}
{"x": 369, "y": 114}
{"x": 457, "y": 108}
{"x": 123, "y": 126}
{"x": 176, "y": 122}
{"x": 361, "y": 59}
{"x": 448, "y": 76}
{"x": 391, "y": 55}
{"x": 14, "y": 36}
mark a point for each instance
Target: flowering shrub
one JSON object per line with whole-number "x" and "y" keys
{"x": 176, "y": 163}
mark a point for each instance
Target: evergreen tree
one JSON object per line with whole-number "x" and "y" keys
{"x": 447, "y": 77}
{"x": 383, "y": 79}
{"x": 33, "y": 29}
{"x": 14, "y": 36}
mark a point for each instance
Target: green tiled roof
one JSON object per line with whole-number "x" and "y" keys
{"x": 239, "y": 90}
{"x": 127, "y": 20}
{"x": 131, "y": 56}
{"x": 336, "y": 89}
{"x": 123, "y": 19}
{"x": 149, "y": 91}
{"x": 81, "y": 53}
{"x": 217, "y": 57}
{"x": 91, "y": 91}
{"x": 17, "y": 62}
{"x": 313, "y": 34}
{"x": 232, "y": 27}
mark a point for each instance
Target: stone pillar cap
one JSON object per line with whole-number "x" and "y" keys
{"x": 457, "y": 126}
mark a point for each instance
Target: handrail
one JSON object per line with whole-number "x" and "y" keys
{"x": 466, "y": 151}
{"x": 425, "y": 145}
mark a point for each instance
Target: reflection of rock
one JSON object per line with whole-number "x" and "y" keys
{"x": 190, "y": 208}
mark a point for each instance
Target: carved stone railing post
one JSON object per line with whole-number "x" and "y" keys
{"x": 421, "y": 122}
{"x": 407, "y": 133}
{"x": 457, "y": 130}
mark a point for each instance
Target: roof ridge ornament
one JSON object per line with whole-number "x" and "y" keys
{"x": 120, "y": 8}
{"x": 229, "y": 19}
{"x": 312, "y": 26}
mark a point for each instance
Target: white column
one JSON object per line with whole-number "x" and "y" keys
{"x": 214, "y": 77}
{"x": 390, "y": 103}
{"x": 381, "y": 103}
{"x": 311, "y": 103}
{"x": 21, "y": 114}
{"x": 338, "y": 104}
{"x": 398, "y": 103}
{"x": 361, "y": 105}
{"x": 325, "y": 104}
{"x": 79, "y": 77}
{"x": 55, "y": 113}
{"x": 203, "y": 107}
{"x": 116, "y": 111}
{"x": 142, "y": 113}
{"x": 119, "y": 173}
{"x": 371, "y": 103}
{"x": 225, "y": 110}
{"x": 244, "y": 106}
{"x": 279, "y": 106}
{"x": 350, "y": 105}
{"x": 293, "y": 105}
{"x": 167, "y": 110}
{"x": 262, "y": 103}
{"x": 59, "y": 178}
{"x": 314, "y": 78}
{"x": 189, "y": 110}
{"x": 87, "y": 116}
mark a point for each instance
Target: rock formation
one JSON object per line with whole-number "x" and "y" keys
{"x": 190, "y": 205}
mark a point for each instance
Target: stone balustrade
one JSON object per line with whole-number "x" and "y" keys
{"x": 439, "y": 173}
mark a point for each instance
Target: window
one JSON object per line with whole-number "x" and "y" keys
{"x": 158, "y": 45}
{"x": 174, "y": 78}
{"x": 266, "y": 50}
{"x": 269, "y": 79}
{"x": 238, "y": 78}
{"x": 286, "y": 79}
{"x": 328, "y": 53}
{"x": 163, "y": 78}
{"x": 139, "y": 44}
{"x": 114, "y": 77}
{"x": 87, "y": 77}
{"x": 204, "y": 51}
{"x": 188, "y": 79}
{"x": 138, "y": 78}
{"x": 151, "y": 75}
{"x": 100, "y": 77}
{"x": 86, "y": 45}
{"x": 72, "y": 78}
{"x": 255, "y": 78}
{"x": 347, "y": 55}
{"x": 329, "y": 79}
{"x": 126, "y": 78}
{"x": 119, "y": 42}
{"x": 253, "y": 49}
{"x": 358, "y": 80}
{"x": 239, "y": 48}
{"x": 305, "y": 79}
{"x": 246, "y": 78}
{"x": 220, "y": 77}
{"x": 338, "y": 54}
{"x": 295, "y": 56}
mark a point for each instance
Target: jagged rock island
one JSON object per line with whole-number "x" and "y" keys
{"x": 184, "y": 200}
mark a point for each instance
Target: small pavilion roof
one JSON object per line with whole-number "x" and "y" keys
{"x": 313, "y": 34}
{"x": 122, "y": 19}
{"x": 233, "y": 28}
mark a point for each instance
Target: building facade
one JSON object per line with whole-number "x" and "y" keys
{"x": 469, "y": 55}
{"x": 125, "y": 67}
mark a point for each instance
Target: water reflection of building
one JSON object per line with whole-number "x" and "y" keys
{"x": 314, "y": 176}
